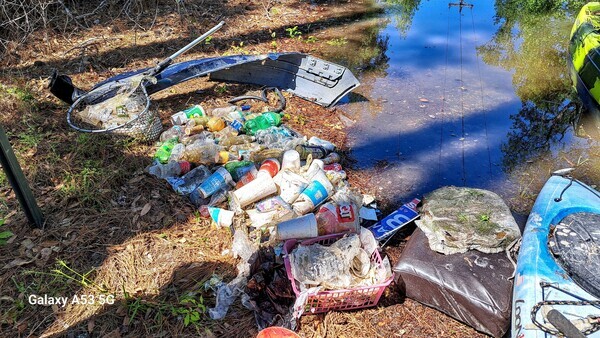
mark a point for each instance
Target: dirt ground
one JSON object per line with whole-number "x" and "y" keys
{"x": 110, "y": 228}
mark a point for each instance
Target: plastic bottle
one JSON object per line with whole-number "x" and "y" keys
{"x": 263, "y": 121}
{"x": 164, "y": 150}
{"x": 223, "y": 111}
{"x": 237, "y": 169}
{"x": 202, "y": 136}
{"x": 170, "y": 169}
{"x": 189, "y": 182}
{"x": 235, "y": 140}
{"x": 202, "y": 203}
{"x": 223, "y": 157}
{"x": 226, "y": 132}
{"x": 201, "y": 152}
{"x": 195, "y": 125}
{"x": 173, "y": 132}
{"x": 177, "y": 153}
{"x": 183, "y": 116}
{"x": 315, "y": 151}
{"x": 215, "y": 124}
{"x": 220, "y": 179}
{"x": 332, "y": 158}
{"x": 315, "y": 141}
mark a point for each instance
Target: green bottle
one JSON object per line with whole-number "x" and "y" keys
{"x": 164, "y": 150}
{"x": 263, "y": 121}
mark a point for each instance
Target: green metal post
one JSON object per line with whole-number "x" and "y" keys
{"x": 18, "y": 181}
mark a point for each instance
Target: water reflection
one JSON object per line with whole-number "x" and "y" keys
{"x": 461, "y": 98}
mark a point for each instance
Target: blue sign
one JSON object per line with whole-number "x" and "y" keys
{"x": 396, "y": 220}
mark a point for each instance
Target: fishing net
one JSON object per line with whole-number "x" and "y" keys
{"x": 119, "y": 107}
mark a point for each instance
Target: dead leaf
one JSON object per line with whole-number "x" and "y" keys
{"x": 146, "y": 209}
{"x": 17, "y": 262}
{"x": 90, "y": 325}
{"x": 135, "y": 179}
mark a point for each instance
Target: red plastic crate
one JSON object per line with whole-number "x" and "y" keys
{"x": 347, "y": 299}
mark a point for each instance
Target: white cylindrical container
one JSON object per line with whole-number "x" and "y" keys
{"x": 222, "y": 217}
{"x": 300, "y": 227}
{"x": 291, "y": 159}
{"x": 259, "y": 188}
{"x": 291, "y": 185}
{"x": 319, "y": 189}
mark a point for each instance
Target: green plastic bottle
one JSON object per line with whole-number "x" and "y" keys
{"x": 263, "y": 121}
{"x": 164, "y": 151}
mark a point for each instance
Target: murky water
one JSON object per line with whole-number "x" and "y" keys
{"x": 460, "y": 97}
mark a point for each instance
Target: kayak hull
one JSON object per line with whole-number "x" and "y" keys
{"x": 538, "y": 277}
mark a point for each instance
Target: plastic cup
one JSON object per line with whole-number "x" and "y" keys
{"x": 301, "y": 227}
{"x": 291, "y": 159}
{"x": 218, "y": 180}
{"x": 259, "y": 188}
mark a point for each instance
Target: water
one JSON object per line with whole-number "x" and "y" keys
{"x": 464, "y": 98}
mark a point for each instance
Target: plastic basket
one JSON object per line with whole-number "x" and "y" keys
{"x": 347, "y": 299}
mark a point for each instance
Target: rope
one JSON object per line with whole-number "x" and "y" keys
{"x": 444, "y": 100}
{"x": 595, "y": 326}
{"x": 487, "y": 143}
{"x": 462, "y": 100}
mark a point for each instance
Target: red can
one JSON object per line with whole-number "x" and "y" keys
{"x": 270, "y": 166}
{"x": 333, "y": 166}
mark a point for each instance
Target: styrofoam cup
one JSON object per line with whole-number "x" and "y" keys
{"x": 300, "y": 227}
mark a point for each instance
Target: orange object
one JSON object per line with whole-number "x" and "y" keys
{"x": 277, "y": 332}
{"x": 215, "y": 124}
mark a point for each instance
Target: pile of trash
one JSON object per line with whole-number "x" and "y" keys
{"x": 270, "y": 184}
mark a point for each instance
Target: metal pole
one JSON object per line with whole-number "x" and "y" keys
{"x": 18, "y": 181}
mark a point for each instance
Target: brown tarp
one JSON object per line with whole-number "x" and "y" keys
{"x": 472, "y": 287}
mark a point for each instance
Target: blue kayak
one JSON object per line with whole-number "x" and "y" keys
{"x": 557, "y": 279}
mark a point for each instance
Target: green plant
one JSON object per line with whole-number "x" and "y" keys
{"x": 66, "y": 272}
{"x": 484, "y": 217}
{"x": 208, "y": 40}
{"x": 239, "y": 49}
{"x": 191, "y": 308}
{"x": 221, "y": 89}
{"x": 134, "y": 305}
{"x": 462, "y": 218}
{"x": 294, "y": 32}
{"x": 4, "y": 235}
{"x": 311, "y": 39}
{"x": 337, "y": 42}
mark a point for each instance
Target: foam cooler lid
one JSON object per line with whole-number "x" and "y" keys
{"x": 472, "y": 287}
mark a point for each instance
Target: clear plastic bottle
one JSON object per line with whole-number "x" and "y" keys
{"x": 173, "y": 132}
{"x": 202, "y": 136}
{"x": 195, "y": 125}
{"x": 236, "y": 140}
{"x": 177, "y": 153}
{"x": 171, "y": 169}
{"x": 226, "y": 132}
{"x": 223, "y": 111}
{"x": 189, "y": 182}
{"x": 201, "y": 152}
